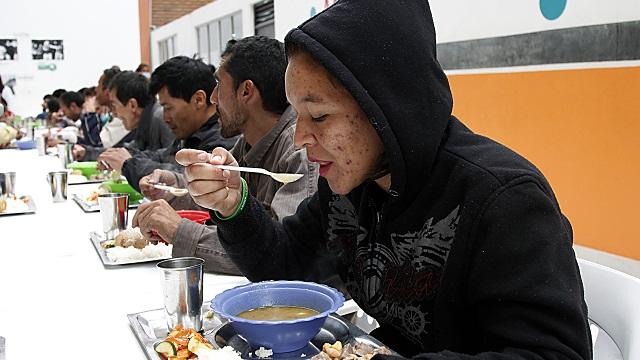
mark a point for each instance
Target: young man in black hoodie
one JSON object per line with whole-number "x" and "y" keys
{"x": 454, "y": 243}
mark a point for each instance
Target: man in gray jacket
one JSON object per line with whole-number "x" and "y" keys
{"x": 251, "y": 101}
{"x": 140, "y": 114}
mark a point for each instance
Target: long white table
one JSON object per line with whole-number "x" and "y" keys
{"x": 56, "y": 298}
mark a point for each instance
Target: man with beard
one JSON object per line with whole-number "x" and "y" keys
{"x": 251, "y": 101}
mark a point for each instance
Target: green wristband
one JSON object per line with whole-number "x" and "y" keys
{"x": 243, "y": 200}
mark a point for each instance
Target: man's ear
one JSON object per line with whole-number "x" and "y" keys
{"x": 246, "y": 91}
{"x": 132, "y": 104}
{"x": 199, "y": 99}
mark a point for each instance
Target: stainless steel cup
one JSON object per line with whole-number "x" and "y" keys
{"x": 58, "y": 183}
{"x": 114, "y": 211}
{"x": 182, "y": 288}
{"x": 8, "y": 183}
{"x": 65, "y": 153}
{"x": 41, "y": 144}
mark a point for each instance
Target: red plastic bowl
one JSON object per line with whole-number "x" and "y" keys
{"x": 198, "y": 216}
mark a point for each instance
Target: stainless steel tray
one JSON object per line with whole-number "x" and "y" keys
{"x": 94, "y": 207}
{"x": 30, "y": 210}
{"x": 150, "y": 328}
{"x": 97, "y": 238}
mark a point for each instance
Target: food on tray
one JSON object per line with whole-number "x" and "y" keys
{"x": 131, "y": 237}
{"x": 92, "y": 197}
{"x": 106, "y": 187}
{"x": 189, "y": 344}
{"x": 129, "y": 245}
{"x": 263, "y": 353}
{"x": 11, "y": 204}
{"x": 355, "y": 351}
{"x": 277, "y": 313}
{"x": 226, "y": 353}
{"x": 76, "y": 176}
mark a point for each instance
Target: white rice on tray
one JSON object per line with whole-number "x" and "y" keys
{"x": 226, "y": 353}
{"x": 149, "y": 252}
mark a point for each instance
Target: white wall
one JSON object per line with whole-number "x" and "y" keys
{"x": 96, "y": 34}
{"x": 288, "y": 14}
{"x": 455, "y": 20}
{"x": 291, "y": 13}
{"x": 184, "y": 28}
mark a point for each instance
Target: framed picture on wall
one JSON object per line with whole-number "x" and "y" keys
{"x": 47, "y": 49}
{"x": 8, "y": 49}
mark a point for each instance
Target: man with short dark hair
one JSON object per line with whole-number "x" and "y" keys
{"x": 184, "y": 86}
{"x": 113, "y": 132}
{"x": 71, "y": 105}
{"x": 140, "y": 114}
{"x": 251, "y": 102}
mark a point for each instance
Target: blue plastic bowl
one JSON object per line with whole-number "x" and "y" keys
{"x": 26, "y": 144}
{"x": 279, "y": 336}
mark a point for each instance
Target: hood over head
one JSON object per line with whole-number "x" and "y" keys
{"x": 384, "y": 53}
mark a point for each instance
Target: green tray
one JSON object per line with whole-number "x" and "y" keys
{"x": 87, "y": 168}
{"x": 123, "y": 187}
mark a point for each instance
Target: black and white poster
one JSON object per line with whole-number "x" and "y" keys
{"x": 47, "y": 49}
{"x": 8, "y": 49}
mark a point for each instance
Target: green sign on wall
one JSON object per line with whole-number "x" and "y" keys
{"x": 51, "y": 67}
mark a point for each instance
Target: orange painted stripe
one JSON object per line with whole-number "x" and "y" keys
{"x": 582, "y": 129}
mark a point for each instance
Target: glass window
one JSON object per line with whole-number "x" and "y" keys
{"x": 214, "y": 43}
{"x": 237, "y": 26}
{"x": 167, "y": 48}
{"x": 213, "y": 36}
{"x": 226, "y": 30}
{"x": 263, "y": 17}
{"x": 203, "y": 43}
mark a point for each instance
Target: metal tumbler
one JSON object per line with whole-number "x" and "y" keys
{"x": 41, "y": 144}
{"x": 65, "y": 153}
{"x": 8, "y": 183}
{"x": 182, "y": 288}
{"x": 114, "y": 211}
{"x": 58, "y": 183}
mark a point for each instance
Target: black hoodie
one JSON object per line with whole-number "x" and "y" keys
{"x": 468, "y": 256}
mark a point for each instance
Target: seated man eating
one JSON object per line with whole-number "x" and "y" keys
{"x": 454, "y": 243}
{"x": 251, "y": 102}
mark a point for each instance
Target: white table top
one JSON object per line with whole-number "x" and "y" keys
{"x": 55, "y": 295}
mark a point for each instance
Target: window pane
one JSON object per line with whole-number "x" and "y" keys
{"x": 162, "y": 50}
{"x": 203, "y": 43}
{"x": 267, "y": 30}
{"x": 225, "y": 30}
{"x": 237, "y": 25}
{"x": 214, "y": 43}
{"x": 171, "y": 50}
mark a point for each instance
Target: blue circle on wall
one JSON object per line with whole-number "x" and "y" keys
{"x": 552, "y": 9}
{"x": 313, "y": 11}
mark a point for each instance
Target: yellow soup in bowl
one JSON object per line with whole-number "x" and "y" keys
{"x": 277, "y": 313}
